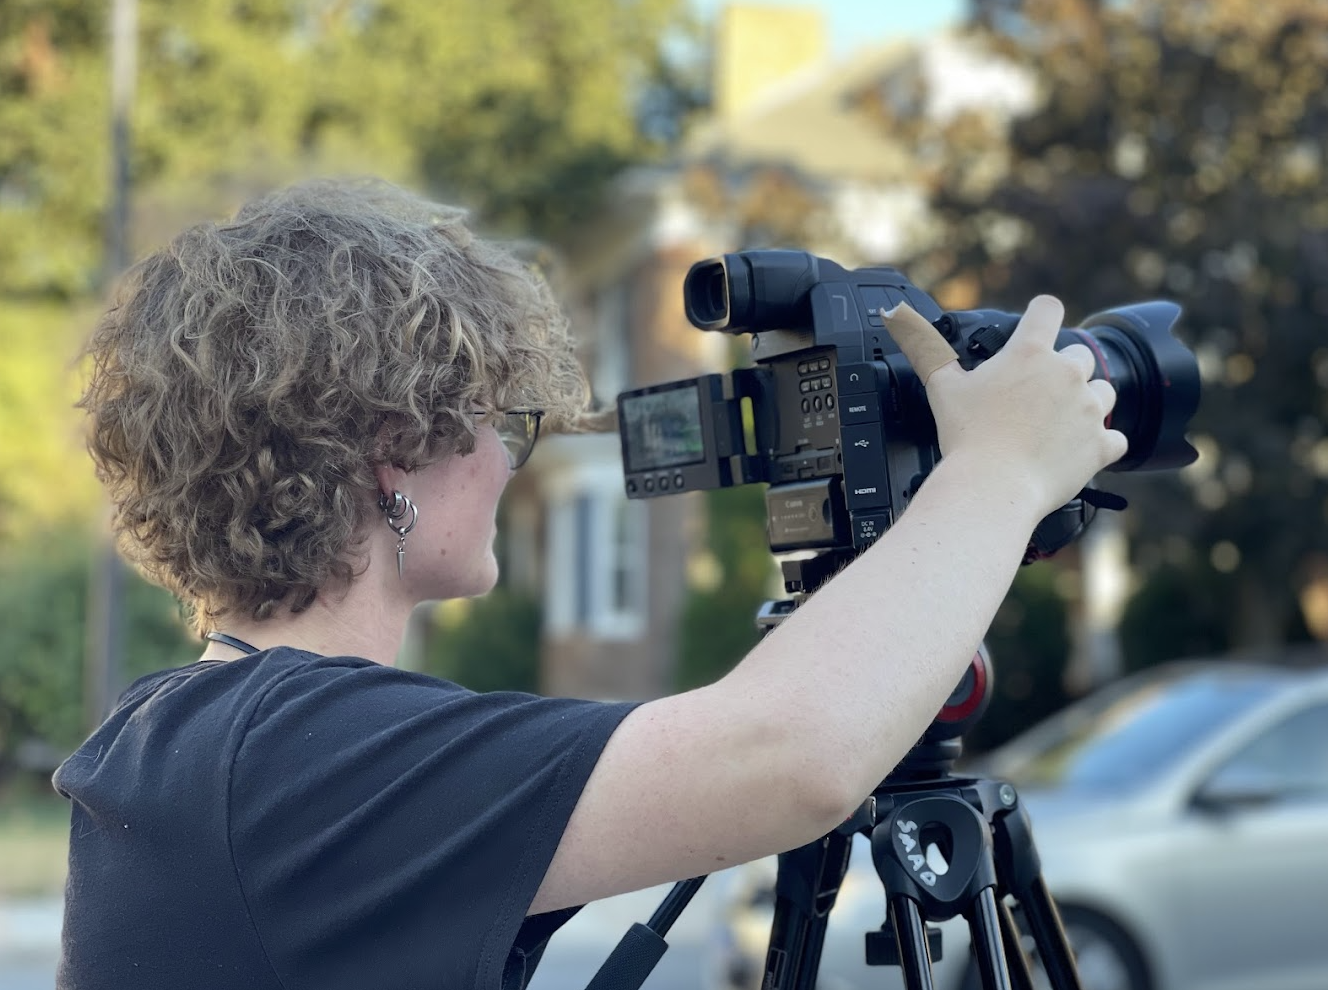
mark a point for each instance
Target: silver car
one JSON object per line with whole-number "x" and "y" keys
{"x": 1182, "y": 820}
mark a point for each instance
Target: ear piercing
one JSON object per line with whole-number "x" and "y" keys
{"x": 396, "y": 507}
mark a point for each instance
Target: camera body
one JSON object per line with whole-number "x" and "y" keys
{"x": 832, "y": 416}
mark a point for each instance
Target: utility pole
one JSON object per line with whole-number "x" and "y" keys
{"x": 104, "y": 666}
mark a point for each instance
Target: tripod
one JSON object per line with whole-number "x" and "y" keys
{"x": 943, "y": 846}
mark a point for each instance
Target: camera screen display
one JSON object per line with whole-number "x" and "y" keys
{"x": 663, "y": 429}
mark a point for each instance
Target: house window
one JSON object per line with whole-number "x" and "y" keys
{"x": 596, "y": 565}
{"x": 627, "y": 592}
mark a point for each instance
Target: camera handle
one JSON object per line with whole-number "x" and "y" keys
{"x": 634, "y": 957}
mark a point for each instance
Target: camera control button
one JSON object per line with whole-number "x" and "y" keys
{"x": 864, "y": 408}
{"x": 649, "y": 484}
{"x": 663, "y": 482}
{"x": 677, "y": 480}
{"x": 855, "y": 378}
{"x": 868, "y": 527}
{"x": 866, "y": 479}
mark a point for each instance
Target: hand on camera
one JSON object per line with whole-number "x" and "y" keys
{"x": 1030, "y": 411}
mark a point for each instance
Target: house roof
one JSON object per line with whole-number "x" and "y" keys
{"x": 811, "y": 122}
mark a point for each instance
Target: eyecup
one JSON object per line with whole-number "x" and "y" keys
{"x": 705, "y": 293}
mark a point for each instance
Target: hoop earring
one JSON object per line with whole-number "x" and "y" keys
{"x": 396, "y": 507}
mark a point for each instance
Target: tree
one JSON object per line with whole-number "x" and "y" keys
{"x": 1176, "y": 151}
{"x": 45, "y": 479}
{"x": 728, "y": 583}
{"x": 1029, "y": 643}
{"x": 520, "y": 108}
{"x": 43, "y": 595}
{"x": 487, "y": 644}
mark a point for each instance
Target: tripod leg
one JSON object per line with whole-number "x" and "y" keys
{"x": 1044, "y": 922}
{"x": 793, "y": 957}
{"x": 985, "y": 927}
{"x": 806, "y": 885}
{"x": 1020, "y": 870}
{"x": 1016, "y": 961}
{"x": 911, "y": 937}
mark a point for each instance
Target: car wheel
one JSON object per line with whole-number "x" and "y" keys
{"x": 1105, "y": 956}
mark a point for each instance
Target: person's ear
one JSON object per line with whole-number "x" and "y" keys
{"x": 386, "y": 477}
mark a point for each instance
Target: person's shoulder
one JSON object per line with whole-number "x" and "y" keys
{"x": 345, "y": 693}
{"x": 351, "y": 697}
{"x": 302, "y": 672}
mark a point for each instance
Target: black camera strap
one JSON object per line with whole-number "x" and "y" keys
{"x": 239, "y": 644}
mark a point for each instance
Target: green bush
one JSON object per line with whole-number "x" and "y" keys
{"x": 43, "y": 639}
{"x": 487, "y": 644}
{"x": 1029, "y": 643}
{"x": 718, "y": 623}
{"x": 1176, "y": 612}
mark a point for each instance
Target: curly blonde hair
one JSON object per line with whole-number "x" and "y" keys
{"x": 249, "y": 376}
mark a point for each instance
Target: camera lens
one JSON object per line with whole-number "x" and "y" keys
{"x": 1156, "y": 380}
{"x": 1155, "y": 376}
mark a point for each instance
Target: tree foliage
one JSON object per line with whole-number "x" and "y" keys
{"x": 728, "y": 585}
{"x": 1029, "y": 643}
{"x": 46, "y": 481}
{"x": 43, "y": 599}
{"x": 520, "y": 108}
{"x": 1176, "y": 151}
{"x": 487, "y": 644}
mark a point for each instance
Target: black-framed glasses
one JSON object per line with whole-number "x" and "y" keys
{"x": 518, "y": 429}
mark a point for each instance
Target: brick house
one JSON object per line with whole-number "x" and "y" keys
{"x": 788, "y": 158}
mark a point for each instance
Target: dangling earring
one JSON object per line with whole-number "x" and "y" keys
{"x": 396, "y": 507}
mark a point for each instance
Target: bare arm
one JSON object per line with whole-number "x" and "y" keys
{"x": 783, "y": 748}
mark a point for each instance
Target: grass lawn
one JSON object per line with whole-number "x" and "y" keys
{"x": 34, "y": 842}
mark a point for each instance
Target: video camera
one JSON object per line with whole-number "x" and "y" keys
{"x": 835, "y": 420}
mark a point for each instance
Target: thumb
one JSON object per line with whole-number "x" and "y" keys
{"x": 921, "y": 342}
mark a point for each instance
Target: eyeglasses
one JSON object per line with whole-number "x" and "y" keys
{"x": 518, "y": 429}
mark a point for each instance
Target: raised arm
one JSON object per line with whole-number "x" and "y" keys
{"x": 785, "y": 747}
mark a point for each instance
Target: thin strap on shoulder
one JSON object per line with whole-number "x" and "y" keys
{"x": 239, "y": 644}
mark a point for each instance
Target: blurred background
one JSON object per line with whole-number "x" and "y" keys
{"x": 1105, "y": 152}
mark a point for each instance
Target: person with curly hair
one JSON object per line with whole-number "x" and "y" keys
{"x": 305, "y": 417}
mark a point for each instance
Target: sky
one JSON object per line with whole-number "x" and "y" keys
{"x": 853, "y": 22}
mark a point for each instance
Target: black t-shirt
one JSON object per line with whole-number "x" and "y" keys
{"x": 289, "y": 820}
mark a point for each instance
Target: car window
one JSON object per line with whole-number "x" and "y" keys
{"x": 1291, "y": 758}
{"x": 1131, "y": 738}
